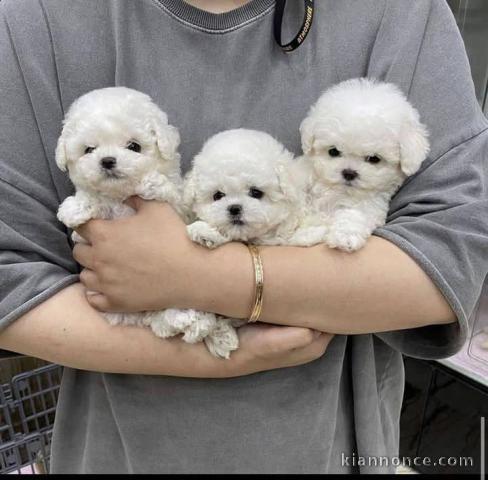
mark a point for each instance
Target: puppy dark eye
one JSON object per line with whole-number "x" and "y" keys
{"x": 218, "y": 195}
{"x": 373, "y": 159}
{"x": 333, "y": 152}
{"x": 89, "y": 150}
{"x": 256, "y": 193}
{"x": 134, "y": 146}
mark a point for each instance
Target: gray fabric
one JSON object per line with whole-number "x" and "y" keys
{"x": 211, "y": 73}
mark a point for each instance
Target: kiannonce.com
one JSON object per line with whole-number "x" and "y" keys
{"x": 372, "y": 461}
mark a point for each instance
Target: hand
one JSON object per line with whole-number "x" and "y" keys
{"x": 142, "y": 262}
{"x": 266, "y": 347}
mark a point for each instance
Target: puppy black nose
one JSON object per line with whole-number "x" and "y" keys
{"x": 234, "y": 210}
{"x": 108, "y": 162}
{"x": 349, "y": 174}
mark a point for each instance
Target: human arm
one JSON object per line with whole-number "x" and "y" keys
{"x": 316, "y": 287}
{"x": 64, "y": 329}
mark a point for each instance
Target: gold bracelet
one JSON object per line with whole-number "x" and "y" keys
{"x": 258, "y": 283}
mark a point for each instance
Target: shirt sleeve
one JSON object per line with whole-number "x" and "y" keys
{"x": 440, "y": 215}
{"x": 35, "y": 254}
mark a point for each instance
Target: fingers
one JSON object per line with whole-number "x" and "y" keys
{"x": 266, "y": 347}
{"x": 83, "y": 254}
{"x": 298, "y": 337}
{"x": 91, "y": 229}
{"x": 98, "y": 301}
{"x": 89, "y": 279}
{"x": 314, "y": 350}
{"x": 305, "y": 344}
{"x": 321, "y": 342}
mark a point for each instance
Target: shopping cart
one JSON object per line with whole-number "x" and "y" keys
{"x": 27, "y": 409}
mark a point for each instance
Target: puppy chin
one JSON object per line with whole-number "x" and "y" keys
{"x": 237, "y": 231}
{"x": 113, "y": 186}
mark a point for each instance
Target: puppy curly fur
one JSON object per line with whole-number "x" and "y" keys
{"x": 360, "y": 141}
{"x": 237, "y": 165}
{"x": 126, "y": 130}
{"x": 241, "y": 188}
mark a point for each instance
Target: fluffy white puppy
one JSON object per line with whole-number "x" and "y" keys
{"x": 116, "y": 143}
{"x": 360, "y": 141}
{"x": 240, "y": 189}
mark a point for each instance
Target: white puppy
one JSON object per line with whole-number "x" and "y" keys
{"x": 240, "y": 189}
{"x": 116, "y": 143}
{"x": 360, "y": 141}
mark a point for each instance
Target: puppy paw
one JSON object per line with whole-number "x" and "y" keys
{"x": 201, "y": 325}
{"x": 161, "y": 323}
{"x": 202, "y": 233}
{"x": 156, "y": 186}
{"x": 223, "y": 340}
{"x": 73, "y": 212}
{"x": 194, "y": 325}
{"x": 346, "y": 241}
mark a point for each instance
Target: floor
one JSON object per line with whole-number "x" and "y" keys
{"x": 404, "y": 470}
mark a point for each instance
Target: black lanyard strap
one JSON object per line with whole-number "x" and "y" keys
{"x": 305, "y": 28}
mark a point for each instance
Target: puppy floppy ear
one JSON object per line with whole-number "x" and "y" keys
{"x": 60, "y": 153}
{"x": 414, "y": 145}
{"x": 168, "y": 141}
{"x": 167, "y": 136}
{"x": 289, "y": 183}
{"x": 307, "y": 134}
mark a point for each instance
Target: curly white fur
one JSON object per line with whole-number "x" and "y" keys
{"x": 233, "y": 164}
{"x": 360, "y": 141}
{"x": 126, "y": 130}
{"x": 241, "y": 188}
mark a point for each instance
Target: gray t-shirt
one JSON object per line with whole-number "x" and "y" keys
{"x": 209, "y": 73}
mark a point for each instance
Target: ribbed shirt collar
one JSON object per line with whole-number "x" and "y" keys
{"x": 217, "y": 22}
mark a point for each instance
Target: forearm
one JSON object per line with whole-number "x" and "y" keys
{"x": 66, "y": 330}
{"x": 378, "y": 288}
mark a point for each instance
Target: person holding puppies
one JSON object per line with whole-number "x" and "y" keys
{"x": 319, "y": 376}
